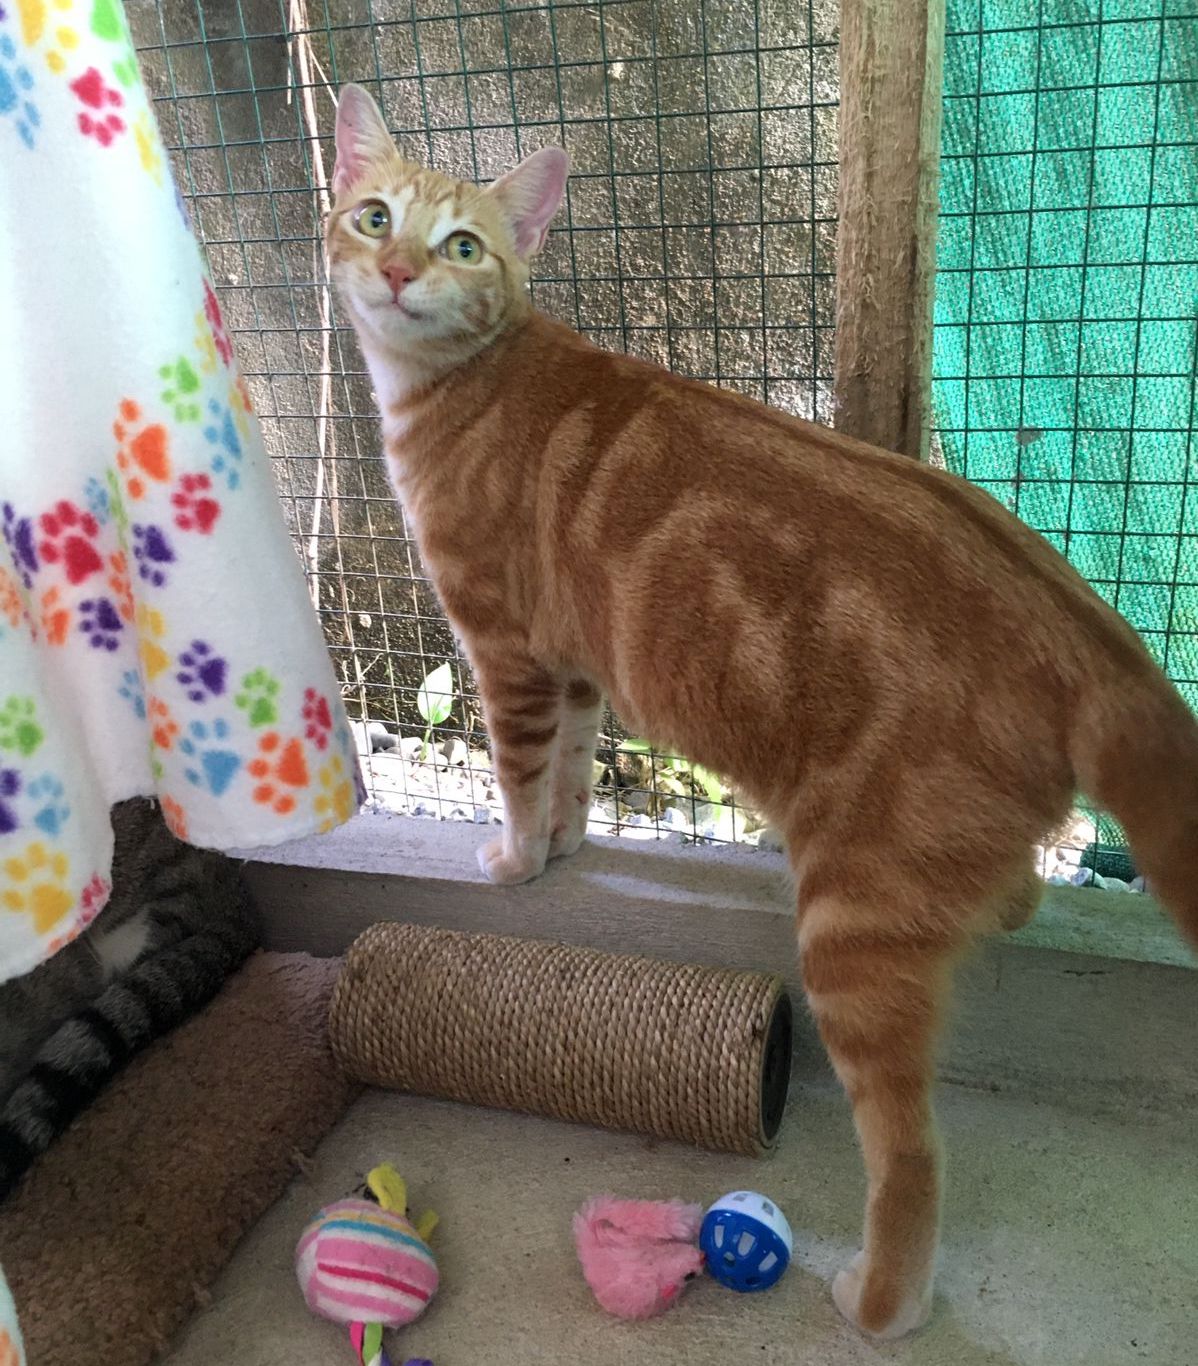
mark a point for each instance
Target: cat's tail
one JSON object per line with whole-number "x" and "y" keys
{"x": 82, "y": 1056}
{"x": 1135, "y": 753}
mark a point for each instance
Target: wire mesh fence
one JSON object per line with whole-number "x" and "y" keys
{"x": 1067, "y": 293}
{"x": 699, "y": 231}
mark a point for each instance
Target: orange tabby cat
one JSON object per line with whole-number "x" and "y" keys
{"x": 878, "y": 655}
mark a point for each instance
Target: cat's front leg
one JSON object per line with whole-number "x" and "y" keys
{"x": 574, "y": 767}
{"x": 522, "y": 704}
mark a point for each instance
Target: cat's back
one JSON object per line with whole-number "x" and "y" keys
{"x": 625, "y": 427}
{"x": 592, "y": 409}
{"x": 650, "y": 467}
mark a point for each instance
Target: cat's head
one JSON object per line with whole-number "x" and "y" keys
{"x": 429, "y": 265}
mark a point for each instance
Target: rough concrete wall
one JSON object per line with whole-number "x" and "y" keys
{"x": 700, "y": 228}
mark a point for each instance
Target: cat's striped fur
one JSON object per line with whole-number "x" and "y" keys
{"x": 178, "y": 921}
{"x": 883, "y": 659}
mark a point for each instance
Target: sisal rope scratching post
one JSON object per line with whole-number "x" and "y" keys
{"x": 697, "y": 1054}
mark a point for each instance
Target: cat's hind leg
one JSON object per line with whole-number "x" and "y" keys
{"x": 1017, "y": 903}
{"x": 875, "y": 976}
{"x": 573, "y": 767}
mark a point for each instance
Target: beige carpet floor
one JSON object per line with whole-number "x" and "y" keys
{"x": 1069, "y": 1241}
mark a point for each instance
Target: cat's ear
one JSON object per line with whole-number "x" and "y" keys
{"x": 530, "y": 195}
{"x": 362, "y": 137}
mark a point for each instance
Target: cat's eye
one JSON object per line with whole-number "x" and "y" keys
{"x": 463, "y": 248}
{"x": 373, "y": 219}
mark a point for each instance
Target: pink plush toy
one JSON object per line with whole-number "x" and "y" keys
{"x": 637, "y": 1255}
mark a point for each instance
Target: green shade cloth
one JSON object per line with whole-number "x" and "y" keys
{"x": 1067, "y": 293}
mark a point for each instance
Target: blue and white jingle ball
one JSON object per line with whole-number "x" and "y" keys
{"x": 746, "y": 1241}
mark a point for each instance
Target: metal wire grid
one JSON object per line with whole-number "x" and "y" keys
{"x": 1067, "y": 295}
{"x": 699, "y": 231}
{"x": 1067, "y": 303}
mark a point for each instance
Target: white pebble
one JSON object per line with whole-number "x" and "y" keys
{"x": 412, "y": 748}
{"x": 380, "y": 737}
{"x": 454, "y": 752}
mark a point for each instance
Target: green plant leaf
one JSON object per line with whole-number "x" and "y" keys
{"x": 708, "y": 781}
{"x": 634, "y": 746}
{"x": 435, "y": 698}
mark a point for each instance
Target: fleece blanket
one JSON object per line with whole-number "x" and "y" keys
{"x": 156, "y": 635}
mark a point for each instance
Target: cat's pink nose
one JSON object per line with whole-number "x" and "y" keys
{"x": 397, "y": 274}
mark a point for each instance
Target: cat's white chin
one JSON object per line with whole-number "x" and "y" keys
{"x": 395, "y": 331}
{"x": 396, "y": 314}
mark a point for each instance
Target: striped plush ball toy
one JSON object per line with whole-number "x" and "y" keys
{"x": 359, "y": 1262}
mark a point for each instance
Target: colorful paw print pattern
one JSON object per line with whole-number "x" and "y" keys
{"x": 86, "y": 44}
{"x": 152, "y": 553}
{"x": 13, "y": 611}
{"x": 38, "y": 885}
{"x": 194, "y": 506}
{"x": 10, "y": 788}
{"x": 203, "y": 673}
{"x": 216, "y": 323}
{"x": 67, "y": 537}
{"x": 336, "y": 799}
{"x": 281, "y": 771}
{"x": 101, "y": 623}
{"x": 143, "y": 450}
{"x": 47, "y": 795}
{"x": 154, "y": 630}
{"x": 99, "y": 118}
{"x": 258, "y": 698}
{"x": 10, "y": 1352}
{"x": 222, "y": 435}
{"x": 181, "y": 389}
{"x": 98, "y": 571}
{"x": 20, "y": 733}
{"x": 276, "y": 749}
{"x": 18, "y": 105}
{"x": 318, "y": 718}
{"x": 215, "y": 763}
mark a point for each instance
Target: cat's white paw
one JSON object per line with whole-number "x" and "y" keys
{"x": 506, "y": 867}
{"x": 912, "y": 1312}
{"x": 570, "y": 822}
{"x": 569, "y": 833}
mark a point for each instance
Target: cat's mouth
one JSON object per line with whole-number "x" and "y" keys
{"x": 406, "y": 309}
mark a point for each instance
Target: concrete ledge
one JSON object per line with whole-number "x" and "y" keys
{"x": 1115, "y": 1024}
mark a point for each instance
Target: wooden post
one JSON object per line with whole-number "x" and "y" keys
{"x": 891, "y": 71}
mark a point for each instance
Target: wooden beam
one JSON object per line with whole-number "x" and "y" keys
{"x": 891, "y": 71}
